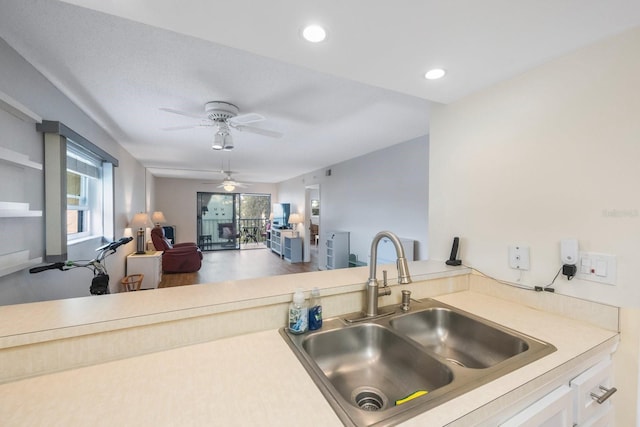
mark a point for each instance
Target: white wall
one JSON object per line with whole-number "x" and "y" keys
{"x": 177, "y": 198}
{"x": 545, "y": 156}
{"x": 383, "y": 190}
{"x": 24, "y": 83}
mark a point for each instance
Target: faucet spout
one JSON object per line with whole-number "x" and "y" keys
{"x": 373, "y": 291}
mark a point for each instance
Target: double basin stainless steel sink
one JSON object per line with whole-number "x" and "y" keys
{"x": 371, "y": 371}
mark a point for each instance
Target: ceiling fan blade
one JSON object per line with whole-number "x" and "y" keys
{"x": 243, "y": 119}
{"x": 259, "y": 131}
{"x": 182, "y": 113}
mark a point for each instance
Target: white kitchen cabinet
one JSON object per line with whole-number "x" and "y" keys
{"x": 149, "y": 264}
{"x": 602, "y": 418}
{"x": 593, "y": 383}
{"x": 573, "y": 404}
{"x": 553, "y": 410}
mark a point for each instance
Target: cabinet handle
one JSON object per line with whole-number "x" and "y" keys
{"x": 608, "y": 392}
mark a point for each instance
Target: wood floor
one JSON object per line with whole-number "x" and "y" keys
{"x": 219, "y": 266}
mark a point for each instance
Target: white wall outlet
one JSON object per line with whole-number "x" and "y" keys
{"x": 519, "y": 257}
{"x": 596, "y": 267}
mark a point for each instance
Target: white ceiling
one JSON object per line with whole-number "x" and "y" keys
{"x": 359, "y": 91}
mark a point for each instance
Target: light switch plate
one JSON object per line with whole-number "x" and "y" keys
{"x": 595, "y": 267}
{"x": 519, "y": 257}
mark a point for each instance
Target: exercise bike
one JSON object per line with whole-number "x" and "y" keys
{"x": 100, "y": 282}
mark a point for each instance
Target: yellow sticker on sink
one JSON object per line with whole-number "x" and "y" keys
{"x": 411, "y": 397}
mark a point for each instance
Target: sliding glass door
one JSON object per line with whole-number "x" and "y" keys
{"x": 232, "y": 220}
{"x": 254, "y": 214}
{"x": 218, "y": 221}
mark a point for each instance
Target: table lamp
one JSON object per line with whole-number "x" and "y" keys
{"x": 295, "y": 219}
{"x": 158, "y": 218}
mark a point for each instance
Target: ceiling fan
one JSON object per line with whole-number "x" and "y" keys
{"x": 223, "y": 116}
{"x": 228, "y": 183}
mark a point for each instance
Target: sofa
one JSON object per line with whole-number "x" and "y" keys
{"x": 176, "y": 258}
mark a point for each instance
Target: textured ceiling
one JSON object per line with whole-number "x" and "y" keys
{"x": 359, "y": 91}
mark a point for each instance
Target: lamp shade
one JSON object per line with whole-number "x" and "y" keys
{"x": 141, "y": 220}
{"x": 158, "y": 218}
{"x": 295, "y": 218}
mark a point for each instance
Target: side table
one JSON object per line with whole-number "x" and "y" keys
{"x": 149, "y": 264}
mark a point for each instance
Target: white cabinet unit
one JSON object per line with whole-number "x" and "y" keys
{"x": 277, "y": 239}
{"x": 553, "y": 410}
{"x": 337, "y": 244}
{"x": 584, "y": 402}
{"x": 293, "y": 249}
{"x": 592, "y": 391}
{"x": 149, "y": 264}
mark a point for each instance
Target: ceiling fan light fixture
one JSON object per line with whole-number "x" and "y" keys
{"x": 228, "y": 143}
{"x": 229, "y": 187}
{"x": 218, "y": 141}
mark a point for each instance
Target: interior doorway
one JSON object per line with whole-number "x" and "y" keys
{"x": 312, "y": 206}
{"x": 232, "y": 221}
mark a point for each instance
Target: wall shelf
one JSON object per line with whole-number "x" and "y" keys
{"x": 18, "y": 110}
{"x": 16, "y": 261}
{"x": 17, "y": 210}
{"x": 18, "y": 159}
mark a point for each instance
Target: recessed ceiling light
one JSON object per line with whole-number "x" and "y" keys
{"x": 314, "y": 33}
{"x": 434, "y": 74}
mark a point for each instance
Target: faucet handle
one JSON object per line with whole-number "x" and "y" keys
{"x": 384, "y": 278}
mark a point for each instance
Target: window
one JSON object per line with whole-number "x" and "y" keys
{"x": 79, "y": 190}
{"x": 77, "y": 208}
{"x": 84, "y": 193}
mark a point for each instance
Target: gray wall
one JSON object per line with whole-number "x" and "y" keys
{"x": 22, "y": 82}
{"x": 383, "y": 190}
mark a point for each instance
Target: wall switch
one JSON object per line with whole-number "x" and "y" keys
{"x": 519, "y": 257}
{"x": 596, "y": 267}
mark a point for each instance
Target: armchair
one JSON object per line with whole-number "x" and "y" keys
{"x": 177, "y": 258}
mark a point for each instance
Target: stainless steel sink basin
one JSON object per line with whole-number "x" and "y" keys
{"x": 372, "y": 368}
{"x": 460, "y": 339}
{"x": 363, "y": 368}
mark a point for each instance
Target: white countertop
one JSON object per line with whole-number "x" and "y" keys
{"x": 255, "y": 379}
{"x": 51, "y": 320}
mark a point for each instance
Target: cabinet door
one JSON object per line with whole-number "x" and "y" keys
{"x": 553, "y": 410}
{"x": 603, "y": 418}
{"x": 587, "y": 383}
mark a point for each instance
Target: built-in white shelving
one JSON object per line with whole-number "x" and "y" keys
{"x": 16, "y": 261}
{"x": 18, "y": 110}
{"x": 18, "y": 159}
{"x": 17, "y": 210}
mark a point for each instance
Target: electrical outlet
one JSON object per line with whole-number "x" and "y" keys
{"x": 519, "y": 257}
